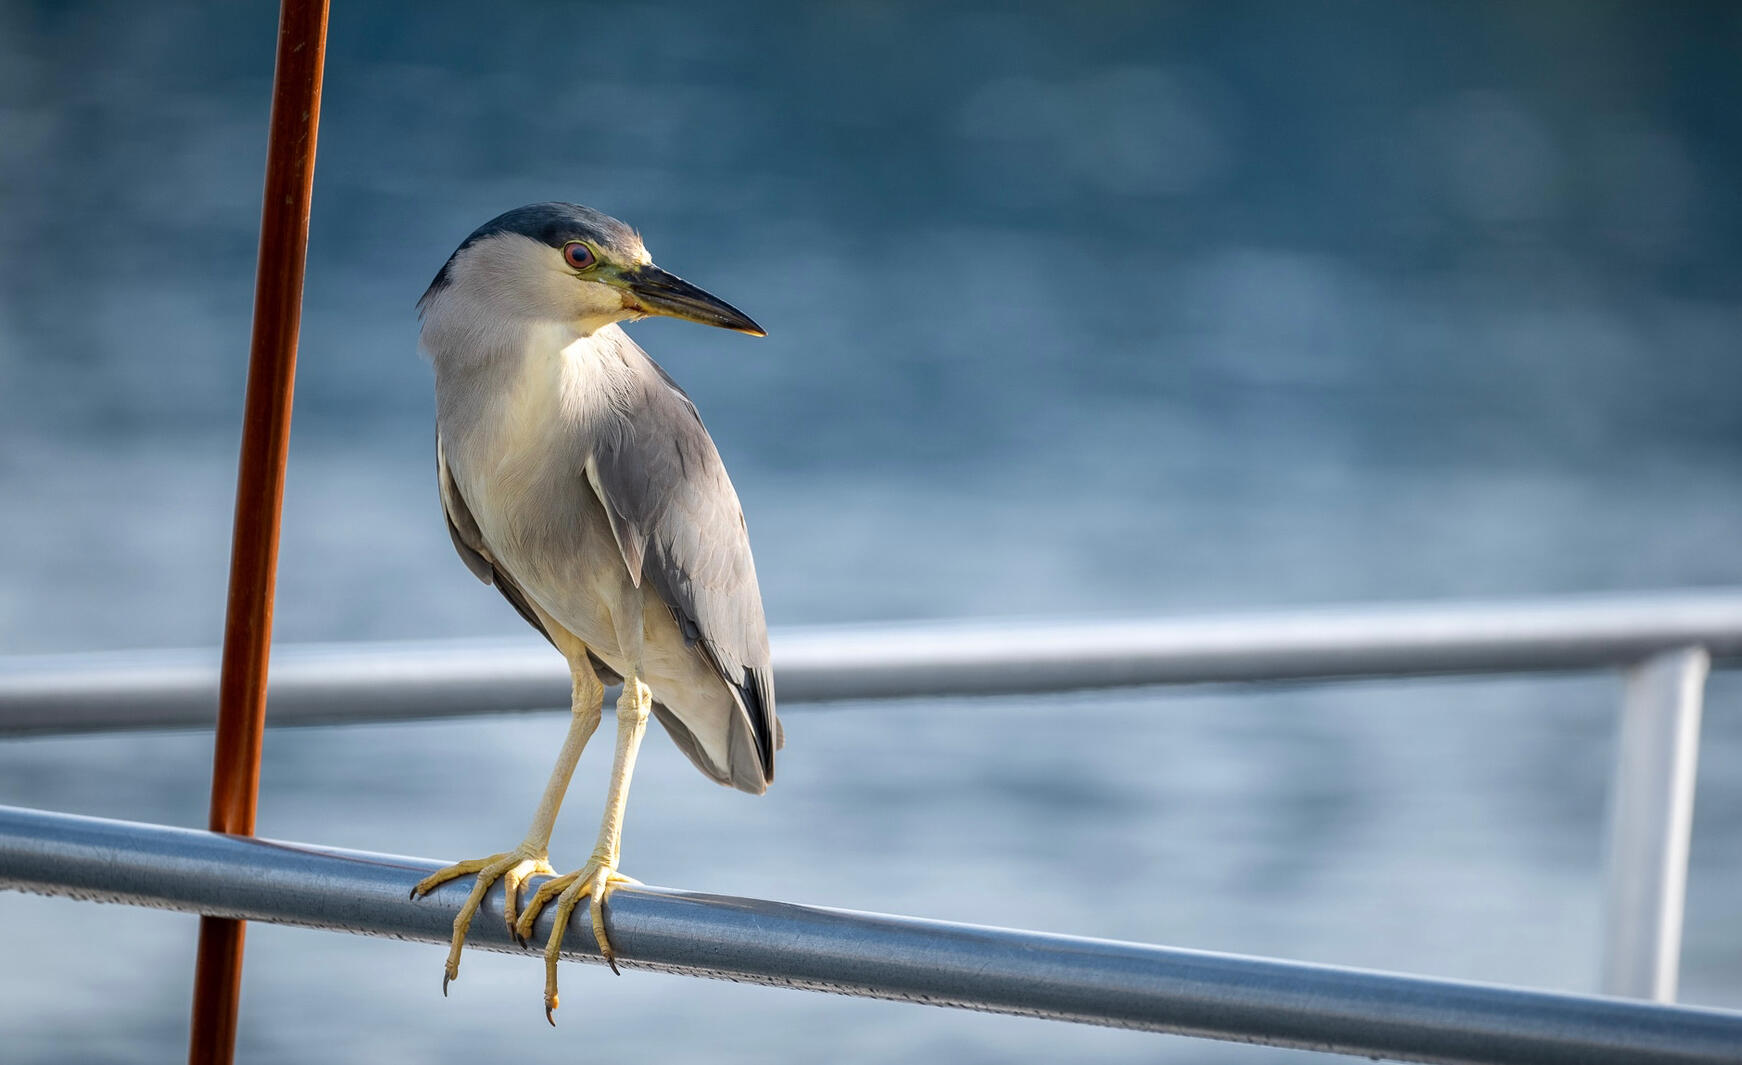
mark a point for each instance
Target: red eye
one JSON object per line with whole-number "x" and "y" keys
{"x": 578, "y": 255}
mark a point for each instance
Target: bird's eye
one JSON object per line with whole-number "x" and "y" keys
{"x": 578, "y": 255}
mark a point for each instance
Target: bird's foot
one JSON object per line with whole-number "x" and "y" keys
{"x": 512, "y": 868}
{"x": 594, "y": 881}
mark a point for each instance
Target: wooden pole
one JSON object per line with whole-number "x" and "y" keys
{"x": 290, "y": 163}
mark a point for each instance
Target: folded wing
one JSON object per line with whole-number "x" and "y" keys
{"x": 679, "y": 526}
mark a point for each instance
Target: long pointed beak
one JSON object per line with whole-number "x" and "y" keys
{"x": 658, "y": 292}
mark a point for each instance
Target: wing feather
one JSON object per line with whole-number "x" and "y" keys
{"x": 679, "y": 526}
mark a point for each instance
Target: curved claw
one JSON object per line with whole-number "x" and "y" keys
{"x": 595, "y": 882}
{"x": 512, "y": 867}
{"x": 598, "y": 908}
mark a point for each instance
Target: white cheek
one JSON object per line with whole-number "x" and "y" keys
{"x": 596, "y": 305}
{"x": 521, "y": 279}
{"x": 593, "y": 297}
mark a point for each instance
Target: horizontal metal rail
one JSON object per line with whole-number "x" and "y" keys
{"x": 364, "y": 682}
{"x": 1090, "y": 981}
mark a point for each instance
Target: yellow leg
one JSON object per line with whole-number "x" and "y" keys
{"x": 595, "y": 879}
{"x": 533, "y": 853}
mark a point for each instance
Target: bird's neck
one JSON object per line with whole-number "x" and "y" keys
{"x": 522, "y": 372}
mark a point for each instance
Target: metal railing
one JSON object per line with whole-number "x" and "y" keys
{"x": 1091, "y": 981}
{"x": 1665, "y": 644}
{"x": 319, "y": 684}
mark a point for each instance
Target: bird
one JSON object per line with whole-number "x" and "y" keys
{"x": 578, "y": 479}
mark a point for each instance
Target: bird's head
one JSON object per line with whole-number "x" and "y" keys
{"x": 565, "y": 263}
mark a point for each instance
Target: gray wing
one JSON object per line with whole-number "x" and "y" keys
{"x": 679, "y": 527}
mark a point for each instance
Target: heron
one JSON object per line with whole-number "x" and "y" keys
{"x": 578, "y": 479}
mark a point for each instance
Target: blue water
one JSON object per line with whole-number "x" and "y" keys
{"x": 1072, "y": 312}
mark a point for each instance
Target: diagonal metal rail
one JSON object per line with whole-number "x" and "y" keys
{"x": 1090, "y": 981}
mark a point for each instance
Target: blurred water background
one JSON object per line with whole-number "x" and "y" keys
{"x": 1074, "y": 310}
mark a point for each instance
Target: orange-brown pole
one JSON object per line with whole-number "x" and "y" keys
{"x": 290, "y": 167}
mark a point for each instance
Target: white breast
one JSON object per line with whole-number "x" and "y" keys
{"x": 518, "y": 441}
{"x": 527, "y": 422}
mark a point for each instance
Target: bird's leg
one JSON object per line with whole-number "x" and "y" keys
{"x": 595, "y": 879}
{"x": 533, "y": 853}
